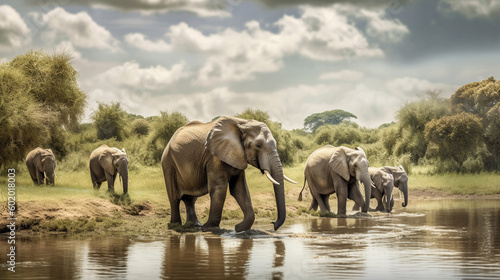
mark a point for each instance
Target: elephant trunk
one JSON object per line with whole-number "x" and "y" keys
{"x": 404, "y": 189}
{"x": 388, "y": 196}
{"x": 365, "y": 179}
{"x": 279, "y": 189}
{"x": 124, "y": 176}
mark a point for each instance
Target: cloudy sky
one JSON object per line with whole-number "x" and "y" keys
{"x": 207, "y": 58}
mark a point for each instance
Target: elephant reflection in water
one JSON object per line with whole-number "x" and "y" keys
{"x": 109, "y": 253}
{"x": 194, "y": 256}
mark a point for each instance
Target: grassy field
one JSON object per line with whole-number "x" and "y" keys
{"x": 73, "y": 206}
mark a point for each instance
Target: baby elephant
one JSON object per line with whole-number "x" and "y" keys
{"x": 384, "y": 179}
{"x": 105, "y": 164}
{"x": 41, "y": 164}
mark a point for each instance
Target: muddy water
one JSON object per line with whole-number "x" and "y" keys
{"x": 427, "y": 240}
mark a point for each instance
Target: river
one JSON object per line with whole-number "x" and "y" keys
{"x": 437, "y": 239}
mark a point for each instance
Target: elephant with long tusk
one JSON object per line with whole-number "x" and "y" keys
{"x": 203, "y": 158}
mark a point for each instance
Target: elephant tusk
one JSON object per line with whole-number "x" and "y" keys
{"x": 270, "y": 177}
{"x": 288, "y": 179}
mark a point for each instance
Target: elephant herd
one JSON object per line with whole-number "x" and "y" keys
{"x": 204, "y": 158}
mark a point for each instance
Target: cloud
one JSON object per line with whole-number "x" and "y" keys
{"x": 78, "y": 28}
{"x": 131, "y": 76}
{"x": 13, "y": 30}
{"x": 202, "y": 8}
{"x": 413, "y": 87}
{"x": 349, "y": 75}
{"x": 471, "y": 9}
{"x": 141, "y": 42}
{"x": 318, "y": 33}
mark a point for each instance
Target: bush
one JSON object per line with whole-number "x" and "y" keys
{"x": 140, "y": 127}
{"x": 109, "y": 120}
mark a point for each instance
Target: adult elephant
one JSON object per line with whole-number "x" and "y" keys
{"x": 337, "y": 170}
{"x": 105, "y": 164}
{"x": 203, "y": 158}
{"x": 41, "y": 165}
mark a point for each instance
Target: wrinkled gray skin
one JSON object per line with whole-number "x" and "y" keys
{"x": 105, "y": 164}
{"x": 384, "y": 179}
{"x": 203, "y": 158}
{"x": 337, "y": 170}
{"x": 41, "y": 165}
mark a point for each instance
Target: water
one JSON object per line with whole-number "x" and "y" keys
{"x": 427, "y": 240}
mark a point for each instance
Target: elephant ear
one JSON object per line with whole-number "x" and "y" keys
{"x": 224, "y": 142}
{"x": 338, "y": 163}
{"x": 106, "y": 161}
{"x": 378, "y": 180}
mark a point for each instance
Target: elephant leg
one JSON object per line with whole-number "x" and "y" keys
{"x": 111, "y": 182}
{"x": 218, "y": 191}
{"x": 175, "y": 214}
{"x": 326, "y": 201}
{"x": 378, "y": 196}
{"x": 40, "y": 177}
{"x": 33, "y": 175}
{"x": 341, "y": 190}
{"x": 355, "y": 207}
{"x": 355, "y": 194}
{"x": 239, "y": 190}
{"x": 191, "y": 217}
{"x": 317, "y": 197}
{"x": 314, "y": 205}
{"x": 95, "y": 184}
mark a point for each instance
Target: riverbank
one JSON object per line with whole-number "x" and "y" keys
{"x": 73, "y": 207}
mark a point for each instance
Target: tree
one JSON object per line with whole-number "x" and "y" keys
{"x": 455, "y": 137}
{"x": 412, "y": 119}
{"x": 482, "y": 99}
{"x": 39, "y": 98}
{"x": 333, "y": 117}
{"x": 140, "y": 127}
{"x": 109, "y": 120}
{"x": 166, "y": 125}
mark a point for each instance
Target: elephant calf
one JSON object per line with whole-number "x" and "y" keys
{"x": 384, "y": 179}
{"x": 105, "y": 164}
{"x": 41, "y": 165}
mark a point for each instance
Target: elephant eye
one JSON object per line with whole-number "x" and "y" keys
{"x": 259, "y": 146}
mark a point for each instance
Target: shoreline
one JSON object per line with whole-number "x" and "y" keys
{"x": 99, "y": 216}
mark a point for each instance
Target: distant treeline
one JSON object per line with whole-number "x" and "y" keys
{"x": 41, "y": 105}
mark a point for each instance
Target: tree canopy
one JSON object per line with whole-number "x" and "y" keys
{"x": 39, "y": 97}
{"x": 109, "y": 120}
{"x": 333, "y": 117}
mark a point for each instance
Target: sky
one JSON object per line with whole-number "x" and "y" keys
{"x": 291, "y": 58}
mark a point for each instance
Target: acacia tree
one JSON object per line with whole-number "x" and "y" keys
{"x": 482, "y": 99}
{"x": 455, "y": 137}
{"x": 333, "y": 117}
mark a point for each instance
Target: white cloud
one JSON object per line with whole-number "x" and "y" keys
{"x": 349, "y": 75}
{"x": 140, "y": 41}
{"x": 384, "y": 29}
{"x": 13, "y": 30}
{"x": 412, "y": 87}
{"x": 472, "y": 8}
{"x": 79, "y": 28}
{"x": 131, "y": 75}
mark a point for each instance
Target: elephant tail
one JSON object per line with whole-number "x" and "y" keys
{"x": 300, "y": 195}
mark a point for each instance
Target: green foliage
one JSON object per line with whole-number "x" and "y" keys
{"x": 412, "y": 119}
{"x": 455, "y": 137}
{"x": 166, "y": 125}
{"x": 338, "y": 135}
{"x": 52, "y": 81}
{"x": 140, "y": 127}
{"x": 109, "y": 120}
{"x": 482, "y": 99}
{"x": 333, "y": 117}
